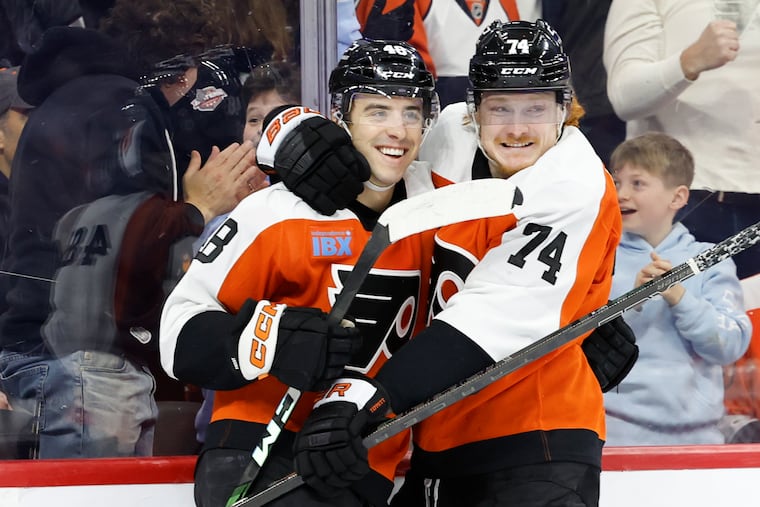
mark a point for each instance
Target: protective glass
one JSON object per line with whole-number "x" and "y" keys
{"x": 381, "y": 111}
{"x": 497, "y": 108}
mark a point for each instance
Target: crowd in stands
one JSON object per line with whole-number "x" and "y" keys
{"x": 128, "y": 131}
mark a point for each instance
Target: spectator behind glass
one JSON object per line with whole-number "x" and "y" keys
{"x": 269, "y": 86}
{"x": 22, "y": 24}
{"x": 444, "y": 32}
{"x": 104, "y": 172}
{"x": 13, "y": 115}
{"x": 689, "y": 68}
{"x": 674, "y": 393}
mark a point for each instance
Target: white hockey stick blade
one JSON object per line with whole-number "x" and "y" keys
{"x": 706, "y": 259}
{"x": 448, "y": 205}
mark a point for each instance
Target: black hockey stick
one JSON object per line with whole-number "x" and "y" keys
{"x": 708, "y": 258}
{"x": 431, "y": 210}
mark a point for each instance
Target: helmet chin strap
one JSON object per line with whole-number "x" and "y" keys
{"x": 377, "y": 188}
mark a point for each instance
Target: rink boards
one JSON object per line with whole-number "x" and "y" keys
{"x": 697, "y": 476}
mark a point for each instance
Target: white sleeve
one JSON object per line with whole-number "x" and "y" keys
{"x": 643, "y": 74}
{"x": 195, "y": 293}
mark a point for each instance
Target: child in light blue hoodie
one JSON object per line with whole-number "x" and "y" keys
{"x": 674, "y": 393}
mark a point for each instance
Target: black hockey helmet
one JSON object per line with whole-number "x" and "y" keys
{"x": 520, "y": 55}
{"x": 382, "y": 67}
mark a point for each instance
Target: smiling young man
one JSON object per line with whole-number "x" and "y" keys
{"x": 275, "y": 259}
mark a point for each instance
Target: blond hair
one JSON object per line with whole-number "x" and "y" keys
{"x": 659, "y": 154}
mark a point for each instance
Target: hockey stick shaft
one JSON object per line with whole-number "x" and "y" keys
{"x": 706, "y": 259}
{"x": 432, "y": 210}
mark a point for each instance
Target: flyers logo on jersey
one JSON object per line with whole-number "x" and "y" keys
{"x": 331, "y": 243}
{"x": 275, "y": 126}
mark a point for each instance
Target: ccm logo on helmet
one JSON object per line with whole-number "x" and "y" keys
{"x": 385, "y": 74}
{"x": 519, "y": 71}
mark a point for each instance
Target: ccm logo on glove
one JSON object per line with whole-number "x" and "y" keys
{"x": 263, "y": 324}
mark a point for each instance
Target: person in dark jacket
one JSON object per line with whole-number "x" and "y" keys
{"x": 96, "y": 206}
{"x": 22, "y": 24}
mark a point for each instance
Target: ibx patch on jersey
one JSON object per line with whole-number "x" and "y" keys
{"x": 330, "y": 243}
{"x": 208, "y": 98}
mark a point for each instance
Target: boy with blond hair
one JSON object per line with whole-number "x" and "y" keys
{"x": 674, "y": 393}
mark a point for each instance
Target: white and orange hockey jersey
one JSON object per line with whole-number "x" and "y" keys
{"x": 509, "y": 281}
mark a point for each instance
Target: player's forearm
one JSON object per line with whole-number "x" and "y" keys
{"x": 206, "y": 350}
{"x": 436, "y": 359}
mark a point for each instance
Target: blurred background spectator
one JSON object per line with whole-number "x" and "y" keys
{"x": 13, "y": 115}
{"x": 22, "y": 23}
{"x": 581, "y": 23}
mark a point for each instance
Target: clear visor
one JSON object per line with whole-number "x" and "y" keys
{"x": 497, "y": 108}
{"x": 385, "y": 111}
